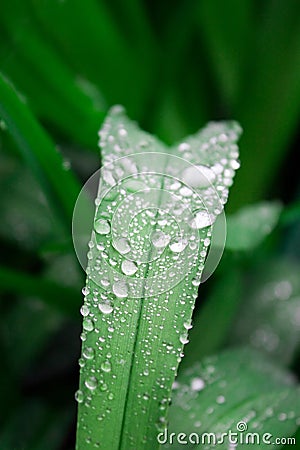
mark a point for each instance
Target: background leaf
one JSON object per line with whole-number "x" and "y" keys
{"x": 237, "y": 385}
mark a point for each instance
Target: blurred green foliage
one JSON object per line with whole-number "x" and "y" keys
{"x": 174, "y": 66}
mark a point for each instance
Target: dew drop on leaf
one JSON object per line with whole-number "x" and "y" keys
{"x": 120, "y": 289}
{"x": 79, "y": 397}
{"x": 202, "y": 220}
{"x": 178, "y": 245}
{"x": 88, "y": 325}
{"x": 105, "y": 308}
{"x": 84, "y": 310}
{"x": 91, "y": 383}
{"x": 102, "y": 226}
{"x": 88, "y": 353}
{"x": 160, "y": 239}
{"x": 106, "y": 366}
{"x": 122, "y": 245}
{"x": 129, "y": 267}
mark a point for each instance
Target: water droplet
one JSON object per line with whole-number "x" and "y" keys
{"x": 102, "y": 226}
{"x": 184, "y": 339}
{"x": 220, "y": 399}
{"x": 79, "y": 397}
{"x": 160, "y": 239}
{"x": 88, "y": 353}
{"x": 88, "y": 325}
{"x": 185, "y": 191}
{"x": 120, "y": 289}
{"x": 85, "y": 290}
{"x": 106, "y": 366}
{"x": 84, "y": 310}
{"x": 91, "y": 383}
{"x": 122, "y": 245}
{"x": 202, "y": 219}
{"x": 129, "y": 267}
{"x": 198, "y": 176}
{"x": 105, "y": 308}
{"x": 197, "y": 384}
{"x": 178, "y": 245}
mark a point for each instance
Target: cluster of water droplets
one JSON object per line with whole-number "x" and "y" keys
{"x": 152, "y": 230}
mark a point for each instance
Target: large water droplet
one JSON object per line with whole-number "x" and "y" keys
{"x": 88, "y": 325}
{"x": 122, "y": 245}
{"x": 91, "y": 383}
{"x": 84, "y": 310}
{"x": 120, "y": 289}
{"x": 106, "y": 366}
{"x": 202, "y": 219}
{"x": 160, "y": 239}
{"x": 129, "y": 267}
{"x": 178, "y": 245}
{"x": 88, "y": 353}
{"x": 105, "y": 308}
{"x": 102, "y": 226}
{"x": 198, "y": 176}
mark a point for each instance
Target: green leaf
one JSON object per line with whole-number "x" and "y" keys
{"x": 37, "y": 149}
{"x": 270, "y": 94}
{"x": 247, "y": 228}
{"x": 143, "y": 276}
{"x": 101, "y": 54}
{"x": 26, "y": 217}
{"x": 268, "y": 319}
{"x": 227, "y": 29}
{"x": 237, "y": 385}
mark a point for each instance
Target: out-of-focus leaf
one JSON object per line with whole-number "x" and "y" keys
{"x": 227, "y": 30}
{"x": 269, "y": 318}
{"x": 212, "y": 323}
{"x": 101, "y": 53}
{"x": 181, "y": 97}
{"x": 48, "y": 84}
{"x": 247, "y": 228}
{"x": 25, "y": 215}
{"x": 39, "y": 152}
{"x": 60, "y": 297}
{"x": 237, "y": 385}
{"x": 268, "y": 106}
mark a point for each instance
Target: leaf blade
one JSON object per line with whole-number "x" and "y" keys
{"x": 135, "y": 390}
